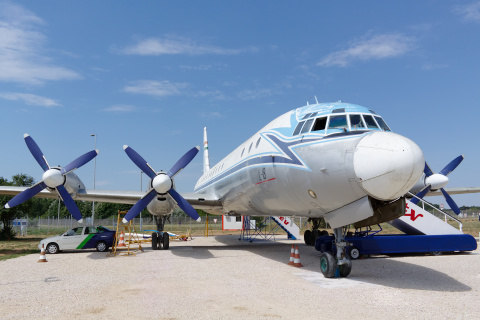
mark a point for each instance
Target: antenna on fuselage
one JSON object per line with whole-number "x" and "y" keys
{"x": 311, "y": 98}
{"x": 206, "y": 160}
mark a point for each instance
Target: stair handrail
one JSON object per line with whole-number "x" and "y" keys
{"x": 435, "y": 208}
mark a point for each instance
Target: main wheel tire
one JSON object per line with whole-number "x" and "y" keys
{"x": 166, "y": 241}
{"x": 101, "y": 246}
{"x": 52, "y": 248}
{"x": 316, "y": 234}
{"x": 154, "y": 241}
{"x": 354, "y": 253}
{"x": 324, "y": 233}
{"x": 308, "y": 238}
{"x": 328, "y": 264}
{"x": 345, "y": 269}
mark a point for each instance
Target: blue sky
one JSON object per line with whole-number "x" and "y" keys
{"x": 152, "y": 74}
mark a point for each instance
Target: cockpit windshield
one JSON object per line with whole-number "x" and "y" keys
{"x": 336, "y": 123}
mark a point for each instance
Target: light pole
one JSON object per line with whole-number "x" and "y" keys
{"x": 142, "y": 210}
{"x": 94, "y": 169}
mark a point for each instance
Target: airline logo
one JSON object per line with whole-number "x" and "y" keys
{"x": 411, "y": 213}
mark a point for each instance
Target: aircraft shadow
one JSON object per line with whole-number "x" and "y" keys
{"x": 381, "y": 270}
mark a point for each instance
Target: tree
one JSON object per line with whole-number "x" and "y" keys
{"x": 7, "y": 215}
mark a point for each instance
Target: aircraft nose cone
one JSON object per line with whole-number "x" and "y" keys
{"x": 387, "y": 165}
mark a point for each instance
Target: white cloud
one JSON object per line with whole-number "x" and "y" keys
{"x": 371, "y": 48}
{"x": 155, "y": 88}
{"x": 120, "y": 108}
{"x": 470, "y": 12}
{"x": 177, "y": 45}
{"x": 21, "y": 49}
{"x": 30, "y": 99}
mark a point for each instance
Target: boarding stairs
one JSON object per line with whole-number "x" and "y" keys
{"x": 292, "y": 230}
{"x": 418, "y": 221}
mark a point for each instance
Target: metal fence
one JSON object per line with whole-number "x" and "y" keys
{"x": 179, "y": 225}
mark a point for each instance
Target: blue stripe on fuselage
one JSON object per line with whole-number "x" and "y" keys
{"x": 285, "y": 156}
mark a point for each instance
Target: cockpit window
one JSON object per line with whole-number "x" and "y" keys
{"x": 356, "y": 122}
{"x": 307, "y": 125}
{"x": 306, "y": 116}
{"x": 382, "y": 124}
{"x": 338, "y": 122}
{"x": 320, "y": 124}
{"x": 370, "y": 122}
{"x": 298, "y": 128}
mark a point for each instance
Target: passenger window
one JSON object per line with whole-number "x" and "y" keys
{"x": 370, "y": 122}
{"x": 356, "y": 122}
{"x": 306, "y": 127}
{"x": 338, "y": 122}
{"x": 298, "y": 128}
{"x": 320, "y": 124}
{"x": 258, "y": 142}
{"x": 382, "y": 124}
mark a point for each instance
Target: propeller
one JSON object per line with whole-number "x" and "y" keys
{"x": 53, "y": 178}
{"x": 435, "y": 181}
{"x": 162, "y": 183}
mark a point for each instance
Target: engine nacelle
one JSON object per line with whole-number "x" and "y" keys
{"x": 72, "y": 183}
{"x": 161, "y": 205}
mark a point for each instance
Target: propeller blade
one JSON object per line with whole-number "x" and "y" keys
{"x": 140, "y": 162}
{"x": 26, "y": 194}
{"x": 452, "y": 165}
{"x": 70, "y": 204}
{"x": 184, "y": 205}
{"x": 428, "y": 172}
{"x": 421, "y": 194}
{"x": 36, "y": 152}
{"x": 80, "y": 161}
{"x": 139, "y": 206}
{"x": 450, "y": 202}
{"x": 183, "y": 162}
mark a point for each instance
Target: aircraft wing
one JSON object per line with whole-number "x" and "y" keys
{"x": 198, "y": 201}
{"x": 455, "y": 191}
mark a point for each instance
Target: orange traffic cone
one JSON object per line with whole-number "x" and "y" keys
{"x": 296, "y": 261}
{"x": 42, "y": 255}
{"x": 292, "y": 257}
{"x": 121, "y": 241}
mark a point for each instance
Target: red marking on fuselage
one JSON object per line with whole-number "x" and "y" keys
{"x": 265, "y": 181}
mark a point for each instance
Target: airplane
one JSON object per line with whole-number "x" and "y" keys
{"x": 334, "y": 161}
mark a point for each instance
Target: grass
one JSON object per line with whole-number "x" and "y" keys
{"x": 19, "y": 247}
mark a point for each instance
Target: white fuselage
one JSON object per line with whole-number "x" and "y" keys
{"x": 314, "y": 173}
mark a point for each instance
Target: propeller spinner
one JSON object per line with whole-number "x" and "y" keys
{"x": 435, "y": 181}
{"x": 53, "y": 178}
{"x": 162, "y": 183}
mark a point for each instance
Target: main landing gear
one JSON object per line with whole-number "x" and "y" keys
{"x": 160, "y": 239}
{"x": 310, "y": 236}
{"x": 336, "y": 262}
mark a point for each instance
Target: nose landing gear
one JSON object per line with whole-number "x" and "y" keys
{"x": 335, "y": 261}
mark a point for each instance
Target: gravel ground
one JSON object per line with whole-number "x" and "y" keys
{"x": 222, "y": 278}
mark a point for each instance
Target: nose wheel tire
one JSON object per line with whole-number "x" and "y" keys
{"x": 328, "y": 264}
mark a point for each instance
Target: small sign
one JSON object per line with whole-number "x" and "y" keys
{"x": 441, "y": 206}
